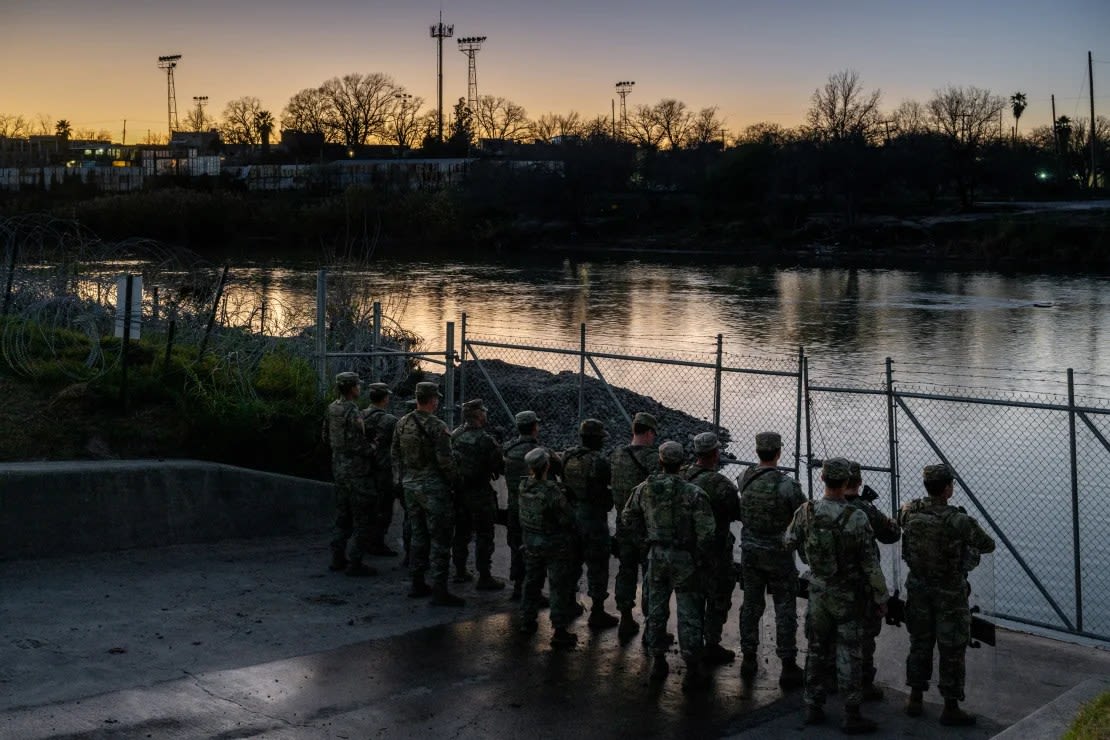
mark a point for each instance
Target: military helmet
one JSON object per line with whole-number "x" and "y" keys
{"x": 836, "y": 468}
{"x": 645, "y": 419}
{"x": 426, "y": 391}
{"x": 671, "y": 452}
{"x": 706, "y": 442}
{"x": 346, "y": 380}
{"x": 537, "y": 458}
{"x": 939, "y": 473}
{"x": 768, "y": 441}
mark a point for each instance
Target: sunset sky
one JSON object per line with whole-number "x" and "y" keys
{"x": 93, "y": 62}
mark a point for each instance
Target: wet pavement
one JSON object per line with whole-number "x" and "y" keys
{"x": 256, "y": 639}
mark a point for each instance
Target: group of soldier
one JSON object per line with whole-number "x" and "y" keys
{"x": 672, "y": 535}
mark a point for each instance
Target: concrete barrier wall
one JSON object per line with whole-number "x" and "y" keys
{"x": 57, "y": 508}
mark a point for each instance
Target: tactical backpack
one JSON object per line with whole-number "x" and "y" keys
{"x": 516, "y": 470}
{"x": 764, "y": 511}
{"x": 470, "y": 461}
{"x": 824, "y": 541}
{"x": 667, "y": 513}
{"x": 927, "y": 543}
{"x": 581, "y": 479}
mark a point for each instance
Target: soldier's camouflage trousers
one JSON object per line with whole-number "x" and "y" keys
{"x": 630, "y": 568}
{"x": 594, "y": 552}
{"x": 940, "y": 616}
{"x": 386, "y": 493}
{"x": 431, "y": 513}
{"x": 872, "y": 625}
{"x": 355, "y": 518}
{"x": 719, "y": 581}
{"x": 558, "y": 567}
{"x": 514, "y": 538}
{"x": 672, "y": 570}
{"x": 834, "y": 632}
{"x": 770, "y": 571}
{"x": 474, "y": 518}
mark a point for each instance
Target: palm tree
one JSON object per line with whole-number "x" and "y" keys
{"x": 63, "y": 130}
{"x": 264, "y": 124}
{"x": 1017, "y": 107}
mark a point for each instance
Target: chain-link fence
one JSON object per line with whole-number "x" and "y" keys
{"x": 1032, "y": 467}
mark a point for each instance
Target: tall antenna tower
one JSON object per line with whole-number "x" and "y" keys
{"x": 623, "y": 89}
{"x": 439, "y": 32}
{"x": 200, "y": 101}
{"x": 169, "y": 63}
{"x": 470, "y": 46}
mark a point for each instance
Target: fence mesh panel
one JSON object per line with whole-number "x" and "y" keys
{"x": 1093, "y": 467}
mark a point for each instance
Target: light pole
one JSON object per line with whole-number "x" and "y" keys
{"x": 624, "y": 87}
{"x": 439, "y": 32}
{"x": 402, "y": 127}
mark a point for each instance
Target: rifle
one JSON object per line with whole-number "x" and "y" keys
{"x": 982, "y": 631}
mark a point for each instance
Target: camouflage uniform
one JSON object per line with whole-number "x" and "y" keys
{"x": 516, "y": 472}
{"x": 547, "y": 525}
{"x": 380, "y": 425}
{"x": 719, "y": 579}
{"x": 937, "y": 542}
{"x": 768, "y": 500}
{"x": 352, "y": 466}
{"x": 846, "y": 582}
{"x": 586, "y": 477}
{"x": 674, "y": 520}
{"x": 630, "y": 465}
{"x": 478, "y": 457}
{"x": 423, "y": 463}
{"x": 886, "y": 531}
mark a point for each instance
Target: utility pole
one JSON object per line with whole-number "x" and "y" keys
{"x": 1055, "y": 128}
{"x": 613, "y": 113}
{"x": 439, "y": 32}
{"x": 1094, "y": 127}
{"x": 124, "y": 142}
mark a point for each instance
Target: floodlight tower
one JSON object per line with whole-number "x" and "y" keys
{"x": 439, "y": 32}
{"x": 169, "y": 63}
{"x": 200, "y": 101}
{"x": 470, "y": 46}
{"x": 624, "y": 87}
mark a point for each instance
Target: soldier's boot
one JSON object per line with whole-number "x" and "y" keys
{"x": 716, "y": 655}
{"x": 338, "y": 561}
{"x": 871, "y": 692}
{"x": 953, "y": 716}
{"x": 420, "y": 588}
{"x": 749, "y": 666}
{"x": 659, "y": 669}
{"x": 915, "y": 704}
{"x": 487, "y": 582}
{"x": 815, "y": 714}
{"x": 792, "y": 676}
{"x": 855, "y": 723}
{"x": 358, "y": 569}
{"x": 696, "y": 679}
{"x": 442, "y": 597}
{"x": 668, "y": 639}
{"x": 600, "y": 619}
{"x": 562, "y": 639}
{"x": 628, "y": 626}
{"x": 462, "y": 575}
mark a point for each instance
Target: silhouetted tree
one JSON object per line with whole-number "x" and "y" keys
{"x": 965, "y": 117}
{"x": 307, "y": 111}
{"x": 674, "y": 121}
{"x": 264, "y": 123}
{"x": 14, "y": 126}
{"x": 910, "y": 118}
{"x": 358, "y": 106}
{"x": 239, "y": 117}
{"x": 500, "y": 118}
{"x": 557, "y": 126}
{"x": 63, "y": 130}
{"x": 842, "y": 110}
{"x": 706, "y": 128}
{"x": 196, "y": 119}
{"x": 644, "y": 128}
{"x": 461, "y": 131}
{"x": 1017, "y": 107}
{"x": 404, "y": 127}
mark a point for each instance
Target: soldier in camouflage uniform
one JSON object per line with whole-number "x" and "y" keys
{"x": 846, "y": 584}
{"x": 720, "y": 579}
{"x": 548, "y": 529}
{"x": 887, "y": 532}
{"x": 379, "y": 425}
{"x": 478, "y": 457}
{"x": 586, "y": 477}
{"x": 422, "y": 461}
{"x": 631, "y": 465}
{"x": 674, "y": 520}
{"x": 351, "y": 463}
{"x": 940, "y": 543}
{"x": 516, "y": 471}
{"x": 768, "y": 499}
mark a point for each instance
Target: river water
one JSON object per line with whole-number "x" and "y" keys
{"x": 977, "y": 334}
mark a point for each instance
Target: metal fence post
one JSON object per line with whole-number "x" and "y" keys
{"x": 1075, "y": 503}
{"x": 215, "y": 311}
{"x": 892, "y": 439}
{"x": 449, "y": 375}
{"x": 809, "y": 429}
{"x": 375, "y": 340}
{"x": 798, "y": 415}
{"x": 582, "y": 372}
{"x": 321, "y": 329}
{"x": 11, "y": 276}
{"x": 462, "y": 353}
{"x": 126, "y": 344}
{"x": 717, "y": 384}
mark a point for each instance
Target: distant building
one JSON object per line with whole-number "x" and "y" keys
{"x": 204, "y": 142}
